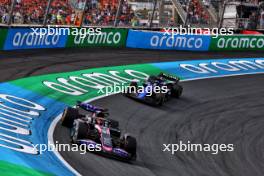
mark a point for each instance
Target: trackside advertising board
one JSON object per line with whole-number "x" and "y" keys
{"x": 107, "y": 38}
{"x": 163, "y": 41}
{"x": 25, "y": 38}
{"x": 3, "y": 33}
{"x": 237, "y": 42}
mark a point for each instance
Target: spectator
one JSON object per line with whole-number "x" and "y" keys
{"x": 253, "y": 21}
{"x": 262, "y": 20}
{"x": 29, "y": 11}
{"x": 63, "y": 12}
{"x": 195, "y": 11}
{"x": 134, "y": 21}
{"x": 105, "y": 16}
{"x": 5, "y": 18}
{"x": 4, "y": 7}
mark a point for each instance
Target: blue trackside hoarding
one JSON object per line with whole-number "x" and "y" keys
{"x": 163, "y": 41}
{"x": 25, "y": 38}
{"x": 212, "y": 68}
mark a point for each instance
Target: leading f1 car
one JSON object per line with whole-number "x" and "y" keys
{"x": 91, "y": 126}
{"x": 156, "y": 89}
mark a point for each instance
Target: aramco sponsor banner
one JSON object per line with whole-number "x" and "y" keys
{"x": 159, "y": 40}
{"x": 237, "y": 42}
{"x": 25, "y": 38}
{"x": 198, "y": 69}
{"x": 3, "y": 33}
{"x": 25, "y": 120}
{"x": 106, "y": 38}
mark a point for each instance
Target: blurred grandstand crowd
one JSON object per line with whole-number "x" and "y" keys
{"x": 195, "y": 11}
{"x": 61, "y": 12}
{"x": 100, "y": 12}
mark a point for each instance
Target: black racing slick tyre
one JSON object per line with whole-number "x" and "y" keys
{"x": 68, "y": 117}
{"x": 132, "y": 88}
{"x": 79, "y": 131}
{"x": 130, "y": 146}
{"x": 114, "y": 124}
{"x": 176, "y": 91}
{"x": 159, "y": 99}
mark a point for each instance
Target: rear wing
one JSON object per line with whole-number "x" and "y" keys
{"x": 90, "y": 107}
{"x": 169, "y": 77}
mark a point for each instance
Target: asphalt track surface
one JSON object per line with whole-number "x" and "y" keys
{"x": 214, "y": 111}
{"x": 222, "y": 110}
{"x": 24, "y": 63}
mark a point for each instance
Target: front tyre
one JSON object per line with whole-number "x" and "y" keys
{"x": 130, "y": 145}
{"x": 114, "y": 123}
{"x": 79, "y": 131}
{"x": 68, "y": 117}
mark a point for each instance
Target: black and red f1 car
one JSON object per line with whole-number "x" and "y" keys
{"x": 93, "y": 127}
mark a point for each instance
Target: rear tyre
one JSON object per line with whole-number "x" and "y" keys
{"x": 159, "y": 99}
{"x": 176, "y": 91}
{"x": 132, "y": 88}
{"x": 114, "y": 124}
{"x": 68, "y": 117}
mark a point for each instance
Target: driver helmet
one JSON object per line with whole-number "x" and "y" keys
{"x": 99, "y": 121}
{"x": 100, "y": 114}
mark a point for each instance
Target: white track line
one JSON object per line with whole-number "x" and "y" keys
{"x": 51, "y": 141}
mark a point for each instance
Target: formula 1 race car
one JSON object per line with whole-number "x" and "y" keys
{"x": 156, "y": 89}
{"x": 95, "y": 128}
{"x": 83, "y": 110}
